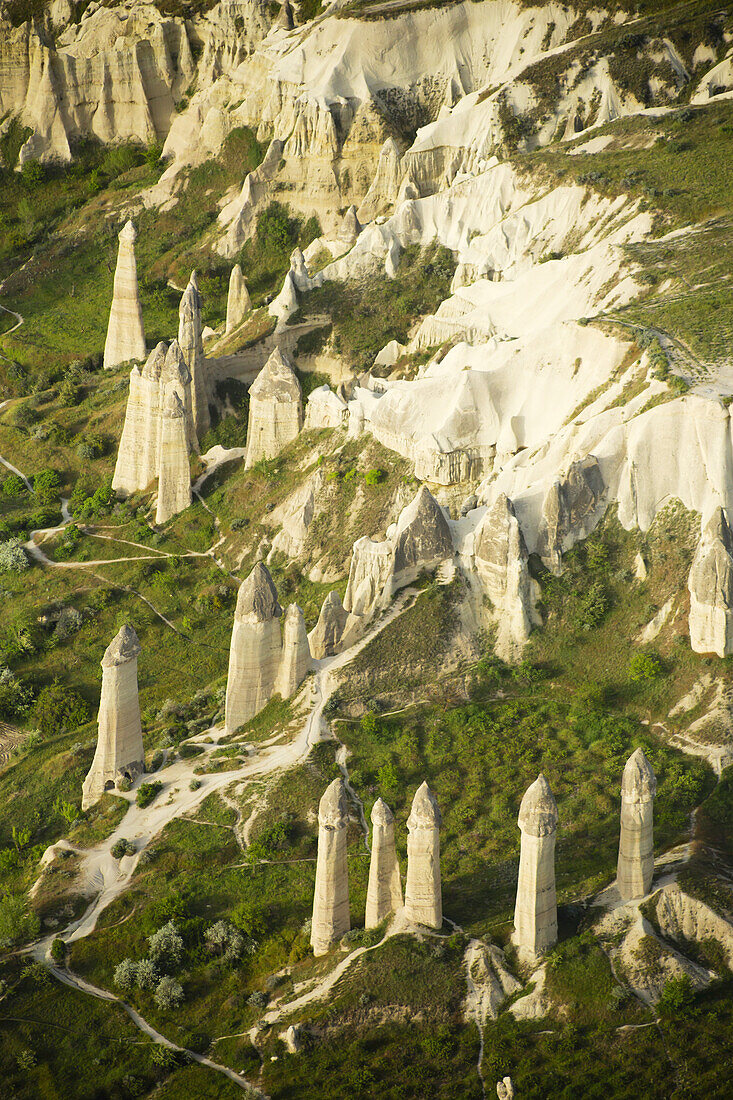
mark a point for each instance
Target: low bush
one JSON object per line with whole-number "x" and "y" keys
{"x": 147, "y": 792}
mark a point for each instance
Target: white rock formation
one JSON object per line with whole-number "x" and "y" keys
{"x": 500, "y": 561}
{"x": 505, "y": 1089}
{"x": 255, "y": 651}
{"x": 125, "y": 332}
{"x": 711, "y": 589}
{"x": 535, "y": 911}
{"x": 422, "y": 539}
{"x": 384, "y": 892}
{"x": 350, "y": 227}
{"x": 325, "y": 637}
{"x": 275, "y": 409}
{"x": 331, "y": 918}
{"x": 175, "y": 377}
{"x": 571, "y": 510}
{"x": 238, "y": 300}
{"x": 119, "y": 753}
{"x": 192, "y": 349}
{"x": 370, "y": 576}
{"x": 137, "y": 455}
{"x": 296, "y": 656}
{"x": 423, "y": 894}
{"x": 686, "y": 919}
{"x": 174, "y": 478}
{"x": 636, "y": 847}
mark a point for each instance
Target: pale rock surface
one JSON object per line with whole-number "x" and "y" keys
{"x": 422, "y": 539}
{"x": 686, "y": 919}
{"x": 654, "y": 627}
{"x": 488, "y": 981}
{"x": 125, "y": 332}
{"x": 331, "y": 918}
{"x": 535, "y": 911}
{"x": 385, "y": 185}
{"x": 295, "y": 515}
{"x": 119, "y": 753}
{"x": 296, "y": 657}
{"x": 423, "y": 893}
{"x": 174, "y": 478}
{"x": 505, "y": 1089}
{"x": 537, "y": 1003}
{"x": 255, "y": 651}
{"x": 636, "y": 847}
{"x": 325, "y": 637}
{"x": 500, "y": 561}
{"x": 325, "y": 409}
{"x": 238, "y": 300}
{"x": 384, "y": 891}
{"x": 571, "y": 509}
{"x": 350, "y": 227}
{"x": 370, "y": 576}
{"x": 711, "y": 589}
{"x": 190, "y": 341}
{"x": 275, "y": 409}
{"x": 137, "y": 455}
{"x": 175, "y": 377}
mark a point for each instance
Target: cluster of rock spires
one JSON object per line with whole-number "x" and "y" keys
{"x": 535, "y": 912}
{"x": 262, "y": 659}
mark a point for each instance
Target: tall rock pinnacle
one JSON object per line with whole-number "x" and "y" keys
{"x": 192, "y": 350}
{"x": 636, "y": 846}
{"x": 384, "y": 892}
{"x": 238, "y": 300}
{"x": 331, "y": 918}
{"x": 174, "y": 480}
{"x": 296, "y": 655}
{"x": 423, "y": 893}
{"x": 275, "y": 409}
{"x": 119, "y": 752}
{"x": 125, "y": 332}
{"x": 254, "y": 654}
{"x": 535, "y": 911}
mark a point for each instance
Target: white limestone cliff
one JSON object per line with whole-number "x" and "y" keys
{"x": 119, "y": 753}
{"x": 275, "y": 409}
{"x": 500, "y": 561}
{"x": 125, "y": 332}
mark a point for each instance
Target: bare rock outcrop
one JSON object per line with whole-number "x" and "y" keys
{"x": 255, "y": 651}
{"x": 384, "y": 892}
{"x": 350, "y": 227}
{"x": 370, "y": 576}
{"x": 137, "y": 455}
{"x": 500, "y": 560}
{"x": 238, "y": 300}
{"x": 295, "y": 659}
{"x": 570, "y": 510}
{"x": 275, "y": 409}
{"x": 385, "y": 185}
{"x": 535, "y": 911}
{"x": 125, "y": 332}
{"x": 174, "y": 478}
{"x": 119, "y": 753}
{"x": 422, "y": 538}
{"x": 331, "y": 918}
{"x": 325, "y": 637}
{"x": 711, "y": 589}
{"x": 175, "y": 377}
{"x": 686, "y": 919}
{"x": 191, "y": 344}
{"x": 636, "y": 846}
{"x": 423, "y": 893}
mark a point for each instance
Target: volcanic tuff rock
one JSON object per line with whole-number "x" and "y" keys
{"x": 500, "y": 559}
{"x": 636, "y": 846}
{"x": 238, "y": 300}
{"x": 296, "y": 657}
{"x": 331, "y": 918}
{"x": 325, "y": 637}
{"x": 422, "y": 538}
{"x": 275, "y": 409}
{"x": 535, "y": 911}
{"x": 192, "y": 350}
{"x": 137, "y": 455}
{"x": 125, "y": 332}
{"x": 254, "y": 654}
{"x": 175, "y": 376}
{"x": 119, "y": 753}
{"x": 570, "y": 510}
{"x": 384, "y": 892}
{"x": 423, "y": 894}
{"x": 174, "y": 478}
{"x": 686, "y": 919}
{"x": 711, "y": 589}
{"x": 370, "y": 576}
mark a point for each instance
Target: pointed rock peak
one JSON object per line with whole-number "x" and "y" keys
{"x": 173, "y": 409}
{"x": 236, "y": 279}
{"x": 538, "y": 812}
{"x": 123, "y": 648}
{"x": 155, "y": 362}
{"x": 424, "y": 813}
{"x": 258, "y": 596}
{"x": 285, "y": 18}
{"x": 332, "y": 603}
{"x": 277, "y": 380}
{"x": 174, "y": 368}
{"x": 639, "y": 780}
{"x": 390, "y": 149}
{"x": 297, "y": 259}
{"x": 293, "y": 615}
{"x": 423, "y": 508}
{"x": 128, "y": 233}
{"x": 333, "y": 809}
{"x": 381, "y": 813}
{"x": 194, "y": 281}
{"x": 190, "y": 304}
{"x": 717, "y": 529}
{"x": 350, "y": 227}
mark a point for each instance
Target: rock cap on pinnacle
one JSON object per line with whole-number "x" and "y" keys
{"x": 190, "y": 305}
{"x": 155, "y": 362}
{"x": 538, "y": 812}
{"x": 258, "y": 596}
{"x": 333, "y": 809}
{"x": 276, "y": 381}
{"x": 293, "y": 617}
{"x": 639, "y": 784}
{"x": 424, "y": 813}
{"x": 128, "y": 233}
{"x": 123, "y": 648}
{"x": 381, "y": 813}
{"x": 717, "y": 529}
{"x": 174, "y": 368}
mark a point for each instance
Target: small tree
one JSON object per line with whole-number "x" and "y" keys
{"x": 147, "y": 976}
{"x": 13, "y": 558}
{"x": 168, "y": 994}
{"x": 126, "y": 975}
{"x": 46, "y": 486}
{"x": 166, "y": 946}
{"x": 58, "y": 951}
{"x": 59, "y": 708}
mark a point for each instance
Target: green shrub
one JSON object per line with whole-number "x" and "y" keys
{"x": 147, "y": 792}
{"x": 643, "y": 667}
{"x": 46, "y": 486}
{"x": 12, "y": 487}
{"x": 168, "y": 994}
{"x": 677, "y": 997}
{"x": 123, "y": 847}
{"x": 59, "y": 708}
{"x": 374, "y": 477}
{"x": 17, "y": 923}
{"x": 13, "y": 558}
{"x": 58, "y": 951}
